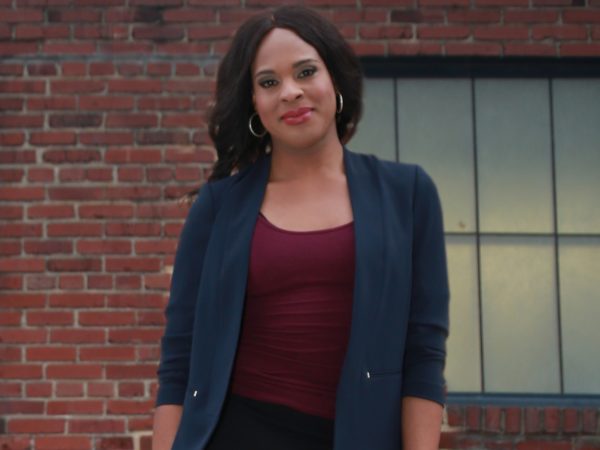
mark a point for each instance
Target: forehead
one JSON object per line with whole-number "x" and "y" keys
{"x": 280, "y": 48}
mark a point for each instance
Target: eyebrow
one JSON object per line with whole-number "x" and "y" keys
{"x": 296, "y": 64}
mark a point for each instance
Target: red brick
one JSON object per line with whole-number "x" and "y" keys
{"x": 15, "y": 442}
{"x": 474, "y": 16}
{"x": 137, "y": 229}
{"x": 11, "y": 175}
{"x": 73, "y": 69}
{"x": 533, "y": 423}
{"x": 103, "y": 247}
{"x": 136, "y": 371}
{"x": 40, "y": 174}
{"x": 156, "y": 247}
{"x": 63, "y": 443}
{"x": 17, "y": 157}
{"x": 73, "y": 371}
{"x": 22, "y": 193}
{"x": 49, "y": 103}
{"x": 76, "y": 86}
{"x": 129, "y": 406}
{"x": 76, "y": 300}
{"x": 10, "y": 353}
{"x": 543, "y": 445}
{"x": 194, "y": 120}
{"x": 128, "y": 282}
{"x": 564, "y": 32}
{"x": 501, "y": 33}
{"x": 76, "y": 193}
{"x": 163, "y": 138}
{"x": 99, "y": 281}
{"x": 110, "y": 138}
{"x": 115, "y": 443}
{"x": 101, "y": 389}
{"x": 472, "y": 49}
{"x": 442, "y": 32}
{"x": 42, "y": 389}
{"x": 47, "y": 247}
{"x": 76, "y": 407}
{"x": 34, "y": 426}
{"x": 69, "y": 389}
{"x": 512, "y": 420}
{"x": 131, "y": 120}
{"x": 590, "y": 421}
{"x": 21, "y": 15}
{"x": 20, "y": 371}
{"x": 10, "y": 318}
{"x": 10, "y": 390}
{"x": 9, "y": 49}
{"x": 11, "y": 139}
{"x": 135, "y": 336}
{"x": 49, "y": 318}
{"x": 96, "y": 426}
{"x": 137, "y": 155}
{"x": 21, "y": 407}
{"x": 71, "y": 282}
{"x": 161, "y": 282}
{"x": 588, "y": 15}
{"x": 109, "y": 353}
{"x": 74, "y": 229}
{"x": 99, "y": 69}
{"x": 74, "y": 120}
{"x": 20, "y": 300}
{"x": 580, "y": 49}
{"x": 75, "y": 336}
{"x": 10, "y": 248}
{"x": 107, "y": 319}
{"x": 11, "y": 212}
{"x": 571, "y": 423}
{"x": 133, "y": 264}
{"x": 75, "y": 265}
{"x": 11, "y": 282}
{"x": 106, "y": 103}
{"x": 21, "y": 265}
{"x": 131, "y": 300}
{"x": 22, "y": 336}
{"x": 186, "y": 155}
{"x": 53, "y": 211}
{"x": 134, "y": 86}
{"x": 130, "y": 174}
{"x": 50, "y": 354}
{"x": 132, "y": 389}
{"x": 164, "y": 103}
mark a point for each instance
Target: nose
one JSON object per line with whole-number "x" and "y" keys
{"x": 291, "y": 91}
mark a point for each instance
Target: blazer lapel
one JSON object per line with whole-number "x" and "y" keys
{"x": 365, "y": 196}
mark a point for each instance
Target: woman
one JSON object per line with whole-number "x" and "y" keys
{"x": 309, "y": 300}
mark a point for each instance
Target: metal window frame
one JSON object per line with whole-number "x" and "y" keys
{"x": 397, "y": 67}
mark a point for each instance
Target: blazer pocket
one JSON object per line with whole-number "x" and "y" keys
{"x": 376, "y": 374}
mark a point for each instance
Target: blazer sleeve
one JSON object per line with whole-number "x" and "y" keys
{"x": 427, "y": 330}
{"x": 180, "y": 311}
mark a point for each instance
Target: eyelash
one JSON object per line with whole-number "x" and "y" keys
{"x": 270, "y": 83}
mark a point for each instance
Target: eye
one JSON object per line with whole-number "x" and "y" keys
{"x": 307, "y": 72}
{"x": 267, "y": 83}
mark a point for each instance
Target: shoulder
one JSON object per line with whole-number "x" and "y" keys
{"x": 395, "y": 175}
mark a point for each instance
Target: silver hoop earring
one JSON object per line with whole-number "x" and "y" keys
{"x": 341, "y": 102}
{"x": 254, "y": 133}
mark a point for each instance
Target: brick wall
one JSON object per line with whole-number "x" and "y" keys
{"x": 102, "y": 129}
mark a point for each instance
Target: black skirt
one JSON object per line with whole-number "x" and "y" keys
{"x": 248, "y": 424}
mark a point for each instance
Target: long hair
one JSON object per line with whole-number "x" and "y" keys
{"x": 228, "y": 118}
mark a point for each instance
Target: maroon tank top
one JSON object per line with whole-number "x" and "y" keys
{"x": 297, "y": 315}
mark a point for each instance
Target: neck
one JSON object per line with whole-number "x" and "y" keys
{"x": 296, "y": 164}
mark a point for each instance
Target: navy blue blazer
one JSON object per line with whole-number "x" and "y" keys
{"x": 399, "y": 314}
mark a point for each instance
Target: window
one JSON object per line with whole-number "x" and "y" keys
{"x": 516, "y": 163}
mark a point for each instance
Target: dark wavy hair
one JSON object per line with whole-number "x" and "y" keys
{"x": 228, "y": 118}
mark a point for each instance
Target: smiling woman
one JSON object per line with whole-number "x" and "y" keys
{"x": 309, "y": 299}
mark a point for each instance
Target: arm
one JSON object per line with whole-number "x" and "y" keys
{"x": 421, "y": 424}
{"x": 166, "y": 422}
{"x": 177, "y": 341}
{"x": 423, "y": 386}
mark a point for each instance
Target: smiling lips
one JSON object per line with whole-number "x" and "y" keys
{"x": 297, "y": 116}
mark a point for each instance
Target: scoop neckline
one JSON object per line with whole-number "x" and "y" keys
{"x": 320, "y": 230}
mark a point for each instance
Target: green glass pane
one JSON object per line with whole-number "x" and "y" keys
{"x": 519, "y": 310}
{"x": 463, "y": 366}
{"x": 577, "y": 144}
{"x": 514, "y": 155}
{"x": 376, "y": 133}
{"x": 580, "y": 310}
{"x": 435, "y": 131}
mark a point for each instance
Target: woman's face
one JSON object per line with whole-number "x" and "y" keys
{"x": 292, "y": 92}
